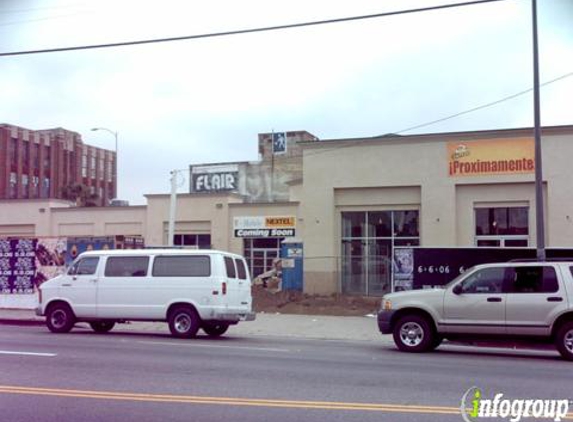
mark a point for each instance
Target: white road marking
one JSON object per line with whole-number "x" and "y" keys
{"x": 12, "y": 352}
{"x": 261, "y": 349}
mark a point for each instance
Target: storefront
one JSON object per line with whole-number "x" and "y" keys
{"x": 350, "y": 202}
{"x": 262, "y": 237}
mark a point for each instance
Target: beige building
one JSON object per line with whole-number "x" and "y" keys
{"x": 350, "y": 202}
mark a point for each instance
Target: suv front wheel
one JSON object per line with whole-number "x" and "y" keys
{"x": 413, "y": 333}
{"x": 564, "y": 340}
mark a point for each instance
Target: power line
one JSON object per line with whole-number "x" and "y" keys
{"x": 471, "y": 110}
{"x": 247, "y": 31}
{"x": 509, "y": 97}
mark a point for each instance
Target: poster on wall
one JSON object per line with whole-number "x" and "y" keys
{"x": 77, "y": 245}
{"x": 17, "y": 266}
{"x": 51, "y": 256}
{"x": 403, "y": 269}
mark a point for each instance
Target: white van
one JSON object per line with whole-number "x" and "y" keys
{"x": 190, "y": 289}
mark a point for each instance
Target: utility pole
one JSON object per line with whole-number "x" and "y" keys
{"x": 539, "y": 206}
{"x": 172, "y": 208}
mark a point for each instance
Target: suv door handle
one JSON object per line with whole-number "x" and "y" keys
{"x": 555, "y": 299}
{"x": 494, "y": 299}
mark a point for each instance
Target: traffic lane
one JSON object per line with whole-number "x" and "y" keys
{"x": 276, "y": 368}
{"x": 57, "y": 405}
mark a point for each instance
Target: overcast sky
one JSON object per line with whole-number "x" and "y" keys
{"x": 202, "y": 101}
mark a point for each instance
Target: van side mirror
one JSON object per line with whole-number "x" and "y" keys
{"x": 458, "y": 289}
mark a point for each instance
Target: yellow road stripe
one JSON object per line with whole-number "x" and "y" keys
{"x": 230, "y": 401}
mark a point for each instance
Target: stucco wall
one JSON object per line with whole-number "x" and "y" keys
{"x": 383, "y": 174}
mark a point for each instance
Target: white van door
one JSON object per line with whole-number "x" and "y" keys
{"x": 124, "y": 288}
{"x": 238, "y": 285}
{"x": 79, "y": 287}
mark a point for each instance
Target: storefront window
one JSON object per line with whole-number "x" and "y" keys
{"x": 194, "y": 241}
{"x": 261, "y": 253}
{"x": 353, "y": 224}
{"x": 502, "y": 227}
{"x": 366, "y": 265}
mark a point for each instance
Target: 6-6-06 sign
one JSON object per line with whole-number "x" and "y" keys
{"x": 264, "y": 226}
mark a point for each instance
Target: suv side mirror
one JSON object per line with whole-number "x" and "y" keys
{"x": 458, "y": 289}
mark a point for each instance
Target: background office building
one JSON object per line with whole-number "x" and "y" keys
{"x": 54, "y": 164}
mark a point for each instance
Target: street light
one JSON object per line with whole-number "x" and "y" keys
{"x": 116, "y": 157}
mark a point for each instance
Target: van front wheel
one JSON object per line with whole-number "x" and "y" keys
{"x": 184, "y": 322}
{"x": 215, "y": 329}
{"x": 60, "y": 318}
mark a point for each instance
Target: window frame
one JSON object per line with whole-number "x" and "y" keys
{"x": 543, "y": 282}
{"x": 135, "y": 273}
{"x": 182, "y": 256}
{"x": 76, "y": 265}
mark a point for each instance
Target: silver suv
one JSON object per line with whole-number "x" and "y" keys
{"x": 515, "y": 301}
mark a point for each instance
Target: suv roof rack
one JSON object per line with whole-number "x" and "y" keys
{"x": 542, "y": 260}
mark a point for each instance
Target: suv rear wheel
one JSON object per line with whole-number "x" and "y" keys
{"x": 564, "y": 340}
{"x": 413, "y": 333}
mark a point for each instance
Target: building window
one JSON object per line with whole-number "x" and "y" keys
{"x": 193, "y": 241}
{"x": 261, "y": 254}
{"x": 47, "y": 161}
{"x": 35, "y": 187}
{"x": 46, "y": 188}
{"x": 92, "y": 167}
{"x": 109, "y": 169}
{"x": 35, "y": 156}
{"x": 84, "y": 165}
{"x": 26, "y": 153}
{"x": 502, "y": 227}
{"x": 101, "y": 169}
{"x": 13, "y": 152}
{"x": 368, "y": 241}
{"x": 25, "y": 186}
{"x": 13, "y": 194}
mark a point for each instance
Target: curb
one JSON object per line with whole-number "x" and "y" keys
{"x": 21, "y": 322}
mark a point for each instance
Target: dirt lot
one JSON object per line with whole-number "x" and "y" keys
{"x": 292, "y": 302}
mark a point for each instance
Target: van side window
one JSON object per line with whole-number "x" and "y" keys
{"x": 85, "y": 266}
{"x": 230, "y": 266}
{"x": 126, "y": 266}
{"x": 182, "y": 266}
{"x": 241, "y": 269}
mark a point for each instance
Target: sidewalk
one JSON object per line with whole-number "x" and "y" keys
{"x": 279, "y": 325}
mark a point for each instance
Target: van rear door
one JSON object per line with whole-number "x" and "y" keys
{"x": 238, "y": 286}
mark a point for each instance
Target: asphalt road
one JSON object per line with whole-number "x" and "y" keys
{"x": 87, "y": 377}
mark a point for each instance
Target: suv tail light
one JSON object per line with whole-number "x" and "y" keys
{"x": 224, "y": 288}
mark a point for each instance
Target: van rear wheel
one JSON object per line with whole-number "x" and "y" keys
{"x": 184, "y": 322}
{"x": 215, "y": 329}
{"x": 102, "y": 326}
